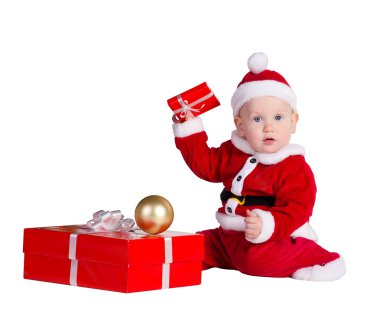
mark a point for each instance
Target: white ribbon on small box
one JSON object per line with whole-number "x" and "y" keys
{"x": 186, "y": 107}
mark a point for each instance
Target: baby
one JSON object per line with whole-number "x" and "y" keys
{"x": 269, "y": 189}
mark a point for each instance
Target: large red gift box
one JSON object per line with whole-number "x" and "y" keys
{"x": 118, "y": 261}
{"x": 196, "y": 100}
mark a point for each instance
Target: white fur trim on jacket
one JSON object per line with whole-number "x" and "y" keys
{"x": 236, "y": 223}
{"x": 188, "y": 127}
{"x": 266, "y": 158}
{"x": 267, "y": 227}
{"x": 305, "y": 231}
{"x": 227, "y": 222}
{"x": 241, "y": 143}
{"x": 254, "y": 89}
{"x": 283, "y": 153}
{"x": 238, "y": 181}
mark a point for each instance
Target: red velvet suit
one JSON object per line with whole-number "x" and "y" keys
{"x": 283, "y": 246}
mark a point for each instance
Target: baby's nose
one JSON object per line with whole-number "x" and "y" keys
{"x": 268, "y": 127}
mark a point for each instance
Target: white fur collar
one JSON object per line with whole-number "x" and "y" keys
{"x": 267, "y": 158}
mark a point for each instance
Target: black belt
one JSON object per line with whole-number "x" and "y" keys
{"x": 248, "y": 200}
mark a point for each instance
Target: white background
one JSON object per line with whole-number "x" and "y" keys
{"x": 84, "y": 126}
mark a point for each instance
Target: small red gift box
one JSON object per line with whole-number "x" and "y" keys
{"x": 196, "y": 100}
{"x": 118, "y": 261}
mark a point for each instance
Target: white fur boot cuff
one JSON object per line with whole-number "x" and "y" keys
{"x": 330, "y": 271}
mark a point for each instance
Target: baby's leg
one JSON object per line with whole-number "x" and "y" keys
{"x": 284, "y": 258}
{"x": 215, "y": 253}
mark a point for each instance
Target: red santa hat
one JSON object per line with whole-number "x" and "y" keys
{"x": 260, "y": 82}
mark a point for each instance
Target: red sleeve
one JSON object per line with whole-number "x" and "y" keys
{"x": 205, "y": 162}
{"x": 295, "y": 197}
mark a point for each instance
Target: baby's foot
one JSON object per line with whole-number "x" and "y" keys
{"x": 330, "y": 271}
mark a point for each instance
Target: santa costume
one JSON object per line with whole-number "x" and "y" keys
{"x": 279, "y": 187}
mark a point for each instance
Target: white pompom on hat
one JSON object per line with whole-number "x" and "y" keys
{"x": 257, "y": 62}
{"x": 260, "y": 82}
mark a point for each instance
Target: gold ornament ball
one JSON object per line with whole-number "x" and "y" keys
{"x": 154, "y": 214}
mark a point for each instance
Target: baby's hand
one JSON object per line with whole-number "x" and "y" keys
{"x": 253, "y": 225}
{"x": 189, "y": 116}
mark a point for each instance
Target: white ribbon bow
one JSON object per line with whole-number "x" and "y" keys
{"x": 185, "y": 106}
{"x": 110, "y": 221}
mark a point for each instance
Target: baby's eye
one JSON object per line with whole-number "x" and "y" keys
{"x": 257, "y": 119}
{"x": 278, "y": 117}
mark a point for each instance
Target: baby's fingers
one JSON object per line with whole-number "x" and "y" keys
{"x": 189, "y": 115}
{"x": 252, "y": 226}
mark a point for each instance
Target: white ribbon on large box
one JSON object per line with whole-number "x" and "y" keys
{"x": 72, "y": 257}
{"x": 168, "y": 261}
{"x": 168, "y": 249}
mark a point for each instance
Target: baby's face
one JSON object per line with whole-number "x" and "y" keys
{"x": 266, "y": 123}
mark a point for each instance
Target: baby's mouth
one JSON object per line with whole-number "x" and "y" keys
{"x": 268, "y": 141}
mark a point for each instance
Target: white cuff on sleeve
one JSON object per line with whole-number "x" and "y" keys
{"x": 188, "y": 127}
{"x": 227, "y": 222}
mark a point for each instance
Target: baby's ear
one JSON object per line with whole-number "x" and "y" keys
{"x": 294, "y": 122}
{"x": 239, "y": 126}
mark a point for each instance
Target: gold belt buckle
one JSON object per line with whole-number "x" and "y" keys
{"x": 238, "y": 201}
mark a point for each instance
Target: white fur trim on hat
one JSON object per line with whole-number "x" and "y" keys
{"x": 254, "y": 89}
{"x": 188, "y": 127}
{"x": 267, "y": 227}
